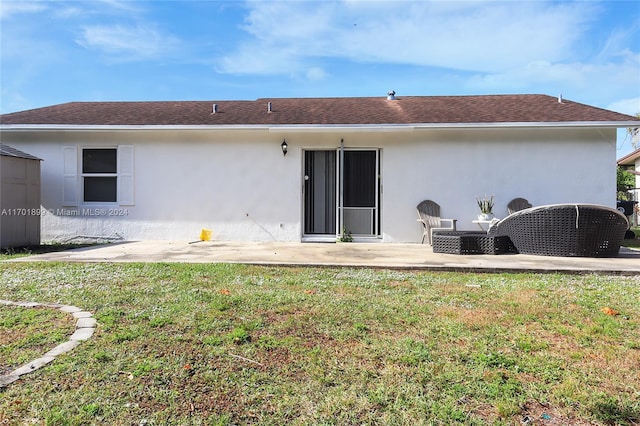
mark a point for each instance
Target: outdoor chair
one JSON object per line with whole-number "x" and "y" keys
{"x": 518, "y": 204}
{"x": 585, "y": 230}
{"x": 429, "y": 217}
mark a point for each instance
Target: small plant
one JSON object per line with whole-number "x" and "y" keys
{"x": 346, "y": 236}
{"x": 485, "y": 204}
{"x": 239, "y": 335}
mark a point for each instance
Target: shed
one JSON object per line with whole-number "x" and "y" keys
{"x": 19, "y": 198}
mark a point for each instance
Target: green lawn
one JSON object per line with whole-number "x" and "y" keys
{"x": 186, "y": 344}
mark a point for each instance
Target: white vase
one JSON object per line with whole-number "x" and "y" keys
{"x": 485, "y": 216}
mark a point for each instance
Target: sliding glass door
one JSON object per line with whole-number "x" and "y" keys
{"x": 342, "y": 192}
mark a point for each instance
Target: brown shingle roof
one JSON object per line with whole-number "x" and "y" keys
{"x": 629, "y": 159}
{"x": 321, "y": 111}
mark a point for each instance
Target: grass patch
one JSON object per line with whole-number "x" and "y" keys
{"x": 16, "y": 252}
{"x": 237, "y": 344}
{"x": 28, "y": 333}
{"x": 635, "y": 242}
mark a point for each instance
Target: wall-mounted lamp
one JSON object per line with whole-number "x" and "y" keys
{"x": 284, "y": 147}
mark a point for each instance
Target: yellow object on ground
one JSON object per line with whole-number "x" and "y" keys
{"x": 205, "y": 234}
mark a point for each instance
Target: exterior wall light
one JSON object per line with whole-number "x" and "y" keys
{"x": 284, "y": 147}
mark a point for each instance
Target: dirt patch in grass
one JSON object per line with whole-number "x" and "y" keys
{"x": 535, "y": 413}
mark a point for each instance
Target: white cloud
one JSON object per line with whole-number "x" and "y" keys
{"x": 469, "y": 36}
{"x": 600, "y": 82}
{"x": 127, "y": 6}
{"x": 316, "y": 73}
{"x": 629, "y": 106}
{"x": 127, "y": 43}
{"x": 9, "y": 8}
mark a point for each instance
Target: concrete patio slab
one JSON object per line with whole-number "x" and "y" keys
{"x": 378, "y": 255}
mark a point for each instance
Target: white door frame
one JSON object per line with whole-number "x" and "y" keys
{"x": 365, "y": 217}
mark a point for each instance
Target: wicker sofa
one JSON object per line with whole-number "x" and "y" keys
{"x": 585, "y": 230}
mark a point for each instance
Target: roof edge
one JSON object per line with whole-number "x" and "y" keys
{"x": 629, "y": 159}
{"x": 319, "y": 127}
{"x": 9, "y": 151}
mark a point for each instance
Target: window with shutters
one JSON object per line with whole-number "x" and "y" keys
{"x": 98, "y": 175}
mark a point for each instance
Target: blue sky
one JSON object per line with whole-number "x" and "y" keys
{"x": 108, "y": 50}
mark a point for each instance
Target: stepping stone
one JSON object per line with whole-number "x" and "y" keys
{"x": 63, "y": 348}
{"x": 82, "y": 334}
{"x": 33, "y": 365}
{"x": 86, "y": 323}
{"x": 8, "y": 379}
{"x": 27, "y": 304}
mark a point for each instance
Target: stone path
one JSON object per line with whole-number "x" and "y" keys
{"x": 85, "y": 327}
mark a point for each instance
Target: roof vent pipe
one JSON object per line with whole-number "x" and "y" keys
{"x": 214, "y": 109}
{"x": 560, "y": 98}
{"x": 268, "y": 106}
{"x": 391, "y": 95}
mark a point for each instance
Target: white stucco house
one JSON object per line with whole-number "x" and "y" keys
{"x": 166, "y": 170}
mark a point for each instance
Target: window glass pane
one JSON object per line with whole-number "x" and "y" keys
{"x": 99, "y": 161}
{"x": 320, "y": 192}
{"x": 100, "y": 189}
{"x": 359, "y": 178}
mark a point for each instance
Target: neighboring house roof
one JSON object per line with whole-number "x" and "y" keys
{"x": 7, "y": 151}
{"x": 430, "y": 111}
{"x": 629, "y": 159}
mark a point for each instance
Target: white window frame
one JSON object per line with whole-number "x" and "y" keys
{"x": 84, "y": 175}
